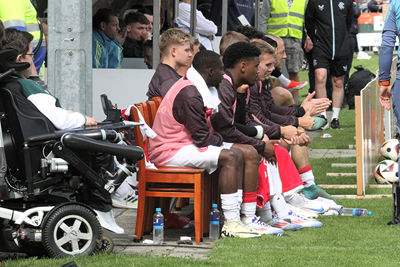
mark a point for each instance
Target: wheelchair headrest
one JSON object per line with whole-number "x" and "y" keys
{"x": 7, "y": 61}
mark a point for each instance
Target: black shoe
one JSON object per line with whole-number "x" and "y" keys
{"x": 326, "y": 125}
{"x": 335, "y": 124}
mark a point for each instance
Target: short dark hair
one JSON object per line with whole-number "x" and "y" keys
{"x": 270, "y": 41}
{"x": 17, "y": 40}
{"x": 249, "y": 31}
{"x": 102, "y": 15}
{"x": 122, "y": 26}
{"x": 237, "y": 52}
{"x": 136, "y": 17}
{"x": 205, "y": 59}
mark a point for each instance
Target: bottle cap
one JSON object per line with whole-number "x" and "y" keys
{"x": 369, "y": 213}
{"x": 214, "y": 205}
{"x": 158, "y": 209}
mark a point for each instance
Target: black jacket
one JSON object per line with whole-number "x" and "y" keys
{"x": 328, "y": 23}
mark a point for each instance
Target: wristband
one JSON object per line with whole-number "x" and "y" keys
{"x": 384, "y": 83}
{"x": 260, "y": 132}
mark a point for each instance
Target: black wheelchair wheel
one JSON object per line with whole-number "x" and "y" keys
{"x": 71, "y": 230}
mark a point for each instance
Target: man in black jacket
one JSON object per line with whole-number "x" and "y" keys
{"x": 328, "y": 23}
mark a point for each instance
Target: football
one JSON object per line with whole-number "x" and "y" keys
{"x": 387, "y": 172}
{"x": 390, "y": 149}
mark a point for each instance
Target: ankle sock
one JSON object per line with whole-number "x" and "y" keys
{"x": 265, "y": 213}
{"x": 230, "y": 207}
{"x": 280, "y": 206}
{"x": 307, "y": 176}
{"x": 336, "y": 112}
{"x": 283, "y": 80}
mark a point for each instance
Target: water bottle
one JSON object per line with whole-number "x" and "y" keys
{"x": 214, "y": 223}
{"x": 354, "y": 212}
{"x": 158, "y": 227}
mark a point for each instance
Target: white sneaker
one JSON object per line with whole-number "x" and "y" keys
{"x": 304, "y": 222}
{"x": 129, "y": 201}
{"x": 238, "y": 229}
{"x": 277, "y": 222}
{"x": 107, "y": 221}
{"x": 306, "y": 204}
{"x": 303, "y": 213}
{"x": 261, "y": 227}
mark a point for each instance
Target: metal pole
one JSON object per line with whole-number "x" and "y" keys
{"x": 176, "y": 10}
{"x": 156, "y": 33}
{"x": 224, "y": 17}
{"x": 193, "y": 19}
{"x": 70, "y": 53}
{"x": 256, "y": 14}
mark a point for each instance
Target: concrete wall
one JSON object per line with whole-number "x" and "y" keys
{"x": 123, "y": 87}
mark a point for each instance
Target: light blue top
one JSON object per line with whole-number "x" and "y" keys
{"x": 107, "y": 53}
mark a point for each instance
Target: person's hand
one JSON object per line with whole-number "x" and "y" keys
{"x": 242, "y": 89}
{"x": 210, "y": 37}
{"x": 265, "y": 138}
{"x": 384, "y": 97}
{"x": 308, "y": 45}
{"x": 315, "y": 105}
{"x": 269, "y": 150}
{"x": 306, "y": 122}
{"x": 288, "y": 132}
{"x": 91, "y": 121}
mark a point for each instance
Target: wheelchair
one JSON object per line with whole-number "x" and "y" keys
{"x": 43, "y": 172}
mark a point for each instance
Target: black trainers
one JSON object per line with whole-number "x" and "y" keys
{"x": 326, "y": 125}
{"x": 335, "y": 124}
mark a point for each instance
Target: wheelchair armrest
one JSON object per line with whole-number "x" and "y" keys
{"x": 99, "y": 134}
{"x": 75, "y": 141}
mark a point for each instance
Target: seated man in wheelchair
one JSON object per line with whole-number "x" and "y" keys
{"x": 46, "y": 162}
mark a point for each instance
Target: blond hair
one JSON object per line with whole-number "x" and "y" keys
{"x": 264, "y": 47}
{"x": 173, "y": 36}
{"x": 229, "y": 38}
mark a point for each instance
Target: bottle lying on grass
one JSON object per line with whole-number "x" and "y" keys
{"x": 354, "y": 212}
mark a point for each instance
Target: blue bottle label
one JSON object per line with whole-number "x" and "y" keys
{"x": 357, "y": 212}
{"x": 158, "y": 223}
{"x": 214, "y": 218}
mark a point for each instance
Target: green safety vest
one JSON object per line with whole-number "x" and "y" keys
{"x": 284, "y": 22}
{"x": 21, "y": 14}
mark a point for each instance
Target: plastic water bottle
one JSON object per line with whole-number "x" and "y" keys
{"x": 158, "y": 227}
{"x": 214, "y": 223}
{"x": 354, "y": 212}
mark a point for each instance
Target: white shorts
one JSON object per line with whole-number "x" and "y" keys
{"x": 198, "y": 157}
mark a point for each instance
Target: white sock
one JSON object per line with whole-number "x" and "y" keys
{"x": 248, "y": 210}
{"x": 230, "y": 207}
{"x": 308, "y": 178}
{"x": 280, "y": 206}
{"x": 124, "y": 189}
{"x": 240, "y": 196}
{"x": 265, "y": 213}
{"x": 324, "y": 114}
{"x": 284, "y": 81}
{"x": 336, "y": 112}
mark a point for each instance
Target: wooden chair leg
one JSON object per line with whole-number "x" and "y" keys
{"x": 140, "y": 216}
{"x": 198, "y": 209}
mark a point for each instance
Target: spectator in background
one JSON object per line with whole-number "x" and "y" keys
{"x": 122, "y": 32}
{"x": 205, "y": 29}
{"x": 148, "y": 53}
{"x": 21, "y": 15}
{"x": 176, "y": 49}
{"x": 286, "y": 20}
{"x": 107, "y": 51}
{"x": 148, "y": 13}
{"x": 136, "y": 27}
{"x": 331, "y": 48}
{"x": 236, "y": 9}
{"x": 375, "y": 5}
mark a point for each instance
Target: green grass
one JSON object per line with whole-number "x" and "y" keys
{"x": 342, "y": 241}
